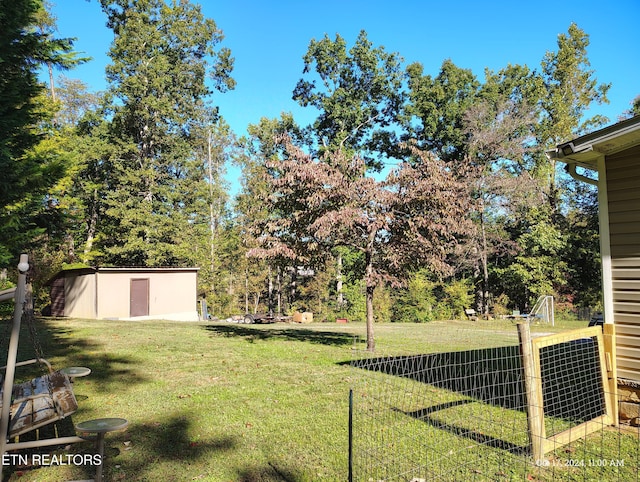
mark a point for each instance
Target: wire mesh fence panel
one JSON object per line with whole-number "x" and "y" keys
{"x": 462, "y": 415}
{"x": 441, "y": 416}
{"x": 573, "y": 390}
{"x": 567, "y": 386}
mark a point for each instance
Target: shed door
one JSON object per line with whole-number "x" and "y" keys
{"x": 139, "y": 305}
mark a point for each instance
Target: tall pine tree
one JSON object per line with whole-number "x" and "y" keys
{"x": 29, "y": 165}
{"x": 165, "y": 65}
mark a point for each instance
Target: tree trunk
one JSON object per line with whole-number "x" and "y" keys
{"x": 370, "y": 284}
{"x": 340, "y": 299}
{"x": 91, "y": 228}
{"x": 270, "y": 299}
{"x": 371, "y": 344}
{"x": 485, "y": 269}
{"x": 212, "y": 219}
{"x": 279, "y": 292}
{"x": 292, "y": 287}
{"x": 71, "y": 248}
{"x": 52, "y": 86}
{"x": 479, "y": 286}
{"x": 246, "y": 291}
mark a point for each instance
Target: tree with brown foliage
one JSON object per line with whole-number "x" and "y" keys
{"x": 413, "y": 218}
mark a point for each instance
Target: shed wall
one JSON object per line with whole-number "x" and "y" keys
{"x": 173, "y": 292}
{"x": 113, "y": 295}
{"x": 57, "y": 297}
{"x": 623, "y": 189}
{"x": 80, "y": 296}
{"x": 172, "y": 295}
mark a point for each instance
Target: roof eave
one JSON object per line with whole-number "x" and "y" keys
{"x": 586, "y": 150}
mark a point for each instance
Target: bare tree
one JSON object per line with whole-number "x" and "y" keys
{"x": 499, "y": 136}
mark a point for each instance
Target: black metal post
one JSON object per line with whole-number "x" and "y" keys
{"x": 351, "y": 435}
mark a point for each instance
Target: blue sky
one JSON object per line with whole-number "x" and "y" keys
{"x": 269, "y": 38}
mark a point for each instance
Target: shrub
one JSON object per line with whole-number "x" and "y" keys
{"x": 457, "y": 296}
{"x": 500, "y": 305}
{"x": 415, "y": 303}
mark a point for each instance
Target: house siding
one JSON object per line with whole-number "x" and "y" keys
{"x": 623, "y": 189}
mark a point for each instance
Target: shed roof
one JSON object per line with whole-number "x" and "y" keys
{"x": 585, "y": 150}
{"x": 144, "y": 270}
{"x": 88, "y": 270}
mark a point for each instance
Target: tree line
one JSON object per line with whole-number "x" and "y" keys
{"x": 409, "y": 197}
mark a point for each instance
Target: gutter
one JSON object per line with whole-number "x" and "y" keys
{"x": 571, "y": 169}
{"x": 564, "y": 154}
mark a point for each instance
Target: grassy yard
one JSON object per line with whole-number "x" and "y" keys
{"x": 228, "y": 402}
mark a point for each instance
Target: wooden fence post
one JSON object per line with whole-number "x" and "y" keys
{"x": 609, "y": 335}
{"x": 535, "y": 415}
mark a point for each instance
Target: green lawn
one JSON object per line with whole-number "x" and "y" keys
{"x": 228, "y": 402}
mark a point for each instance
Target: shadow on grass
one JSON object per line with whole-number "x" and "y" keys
{"x": 270, "y": 472}
{"x": 163, "y": 442}
{"x": 63, "y": 350}
{"x": 424, "y": 415}
{"x": 571, "y": 385}
{"x": 150, "y": 442}
{"x": 570, "y": 373}
{"x": 169, "y": 441}
{"x": 491, "y": 375}
{"x": 252, "y": 334}
{"x": 132, "y": 454}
